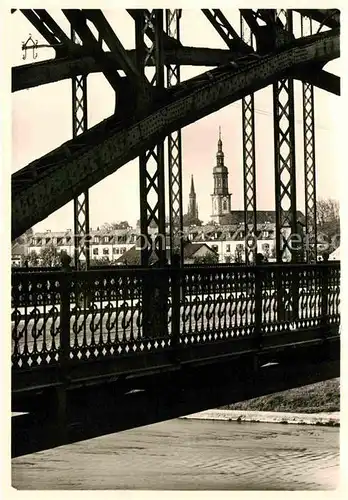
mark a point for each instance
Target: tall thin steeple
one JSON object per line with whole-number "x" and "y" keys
{"x": 193, "y": 207}
{"x": 220, "y": 154}
{"x": 192, "y": 192}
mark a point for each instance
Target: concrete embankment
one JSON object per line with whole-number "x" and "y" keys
{"x": 330, "y": 419}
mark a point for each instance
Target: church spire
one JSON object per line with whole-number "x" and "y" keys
{"x": 192, "y": 192}
{"x": 219, "y": 154}
{"x": 193, "y": 207}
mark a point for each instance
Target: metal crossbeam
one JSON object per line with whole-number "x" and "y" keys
{"x": 49, "y": 29}
{"x": 225, "y": 30}
{"x": 151, "y": 162}
{"x": 78, "y": 21}
{"x": 309, "y": 159}
{"x": 174, "y": 151}
{"x": 284, "y": 148}
{"x": 249, "y": 158}
{"x": 109, "y": 36}
{"x": 99, "y": 156}
{"x": 81, "y": 202}
{"x": 327, "y": 17}
{"x": 54, "y": 70}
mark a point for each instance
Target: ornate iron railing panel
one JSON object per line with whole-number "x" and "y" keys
{"x": 36, "y": 300}
{"x": 106, "y": 315}
{"x": 218, "y": 303}
{"x": 62, "y": 317}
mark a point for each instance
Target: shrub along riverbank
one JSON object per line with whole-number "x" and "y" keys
{"x": 314, "y": 398}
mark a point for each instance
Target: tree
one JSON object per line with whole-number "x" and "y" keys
{"x": 187, "y": 220}
{"x": 102, "y": 261}
{"x": 238, "y": 254}
{"x": 328, "y": 222}
{"x": 33, "y": 259}
{"x": 208, "y": 258}
{"x": 49, "y": 256}
{"x": 273, "y": 252}
{"x": 110, "y": 226}
{"x": 266, "y": 251}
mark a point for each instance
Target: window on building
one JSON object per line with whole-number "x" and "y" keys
{"x": 106, "y": 239}
{"x": 114, "y": 250}
{"x": 95, "y": 251}
{"x": 96, "y": 239}
{"x": 228, "y": 248}
{"x": 105, "y": 251}
{"x": 265, "y": 234}
{"x": 225, "y": 205}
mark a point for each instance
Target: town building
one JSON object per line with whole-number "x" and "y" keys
{"x": 192, "y": 253}
{"x": 105, "y": 245}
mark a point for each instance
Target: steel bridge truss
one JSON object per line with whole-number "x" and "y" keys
{"x": 175, "y": 151}
{"x": 309, "y": 159}
{"x": 149, "y": 43}
{"x": 81, "y": 203}
{"x": 284, "y": 150}
{"x": 249, "y": 161}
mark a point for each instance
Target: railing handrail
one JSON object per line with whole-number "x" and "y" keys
{"x": 199, "y": 267}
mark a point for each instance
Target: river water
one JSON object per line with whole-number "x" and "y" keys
{"x": 190, "y": 455}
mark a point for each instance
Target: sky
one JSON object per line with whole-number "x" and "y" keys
{"x": 42, "y": 120}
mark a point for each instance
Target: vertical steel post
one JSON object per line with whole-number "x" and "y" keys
{"x": 309, "y": 159}
{"x": 151, "y": 163}
{"x": 81, "y": 202}
{"x": 249, "y": 160}
{"x": 174, "y": 151}
{"x": 284, "y": 149}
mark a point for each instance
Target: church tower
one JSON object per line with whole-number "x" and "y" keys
{"x": 192, "y": 211}
{"x": 221, "y": 198}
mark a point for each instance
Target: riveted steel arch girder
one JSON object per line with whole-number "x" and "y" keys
{"x": 249, "y": 159}
{"x": 175, "y": 151}
{"x": 110, "y": 145}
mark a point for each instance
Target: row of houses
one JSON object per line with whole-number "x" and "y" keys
{"x": 121, "y": 246}
{"x": 114, "y": 245}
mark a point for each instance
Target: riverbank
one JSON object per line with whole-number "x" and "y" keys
{"x": 314, "y": 404}
{"x": 327, "y": 419}
{"x": 322, "y": 397}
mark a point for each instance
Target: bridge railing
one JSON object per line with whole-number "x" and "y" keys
{"x": 81, "y": 316}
